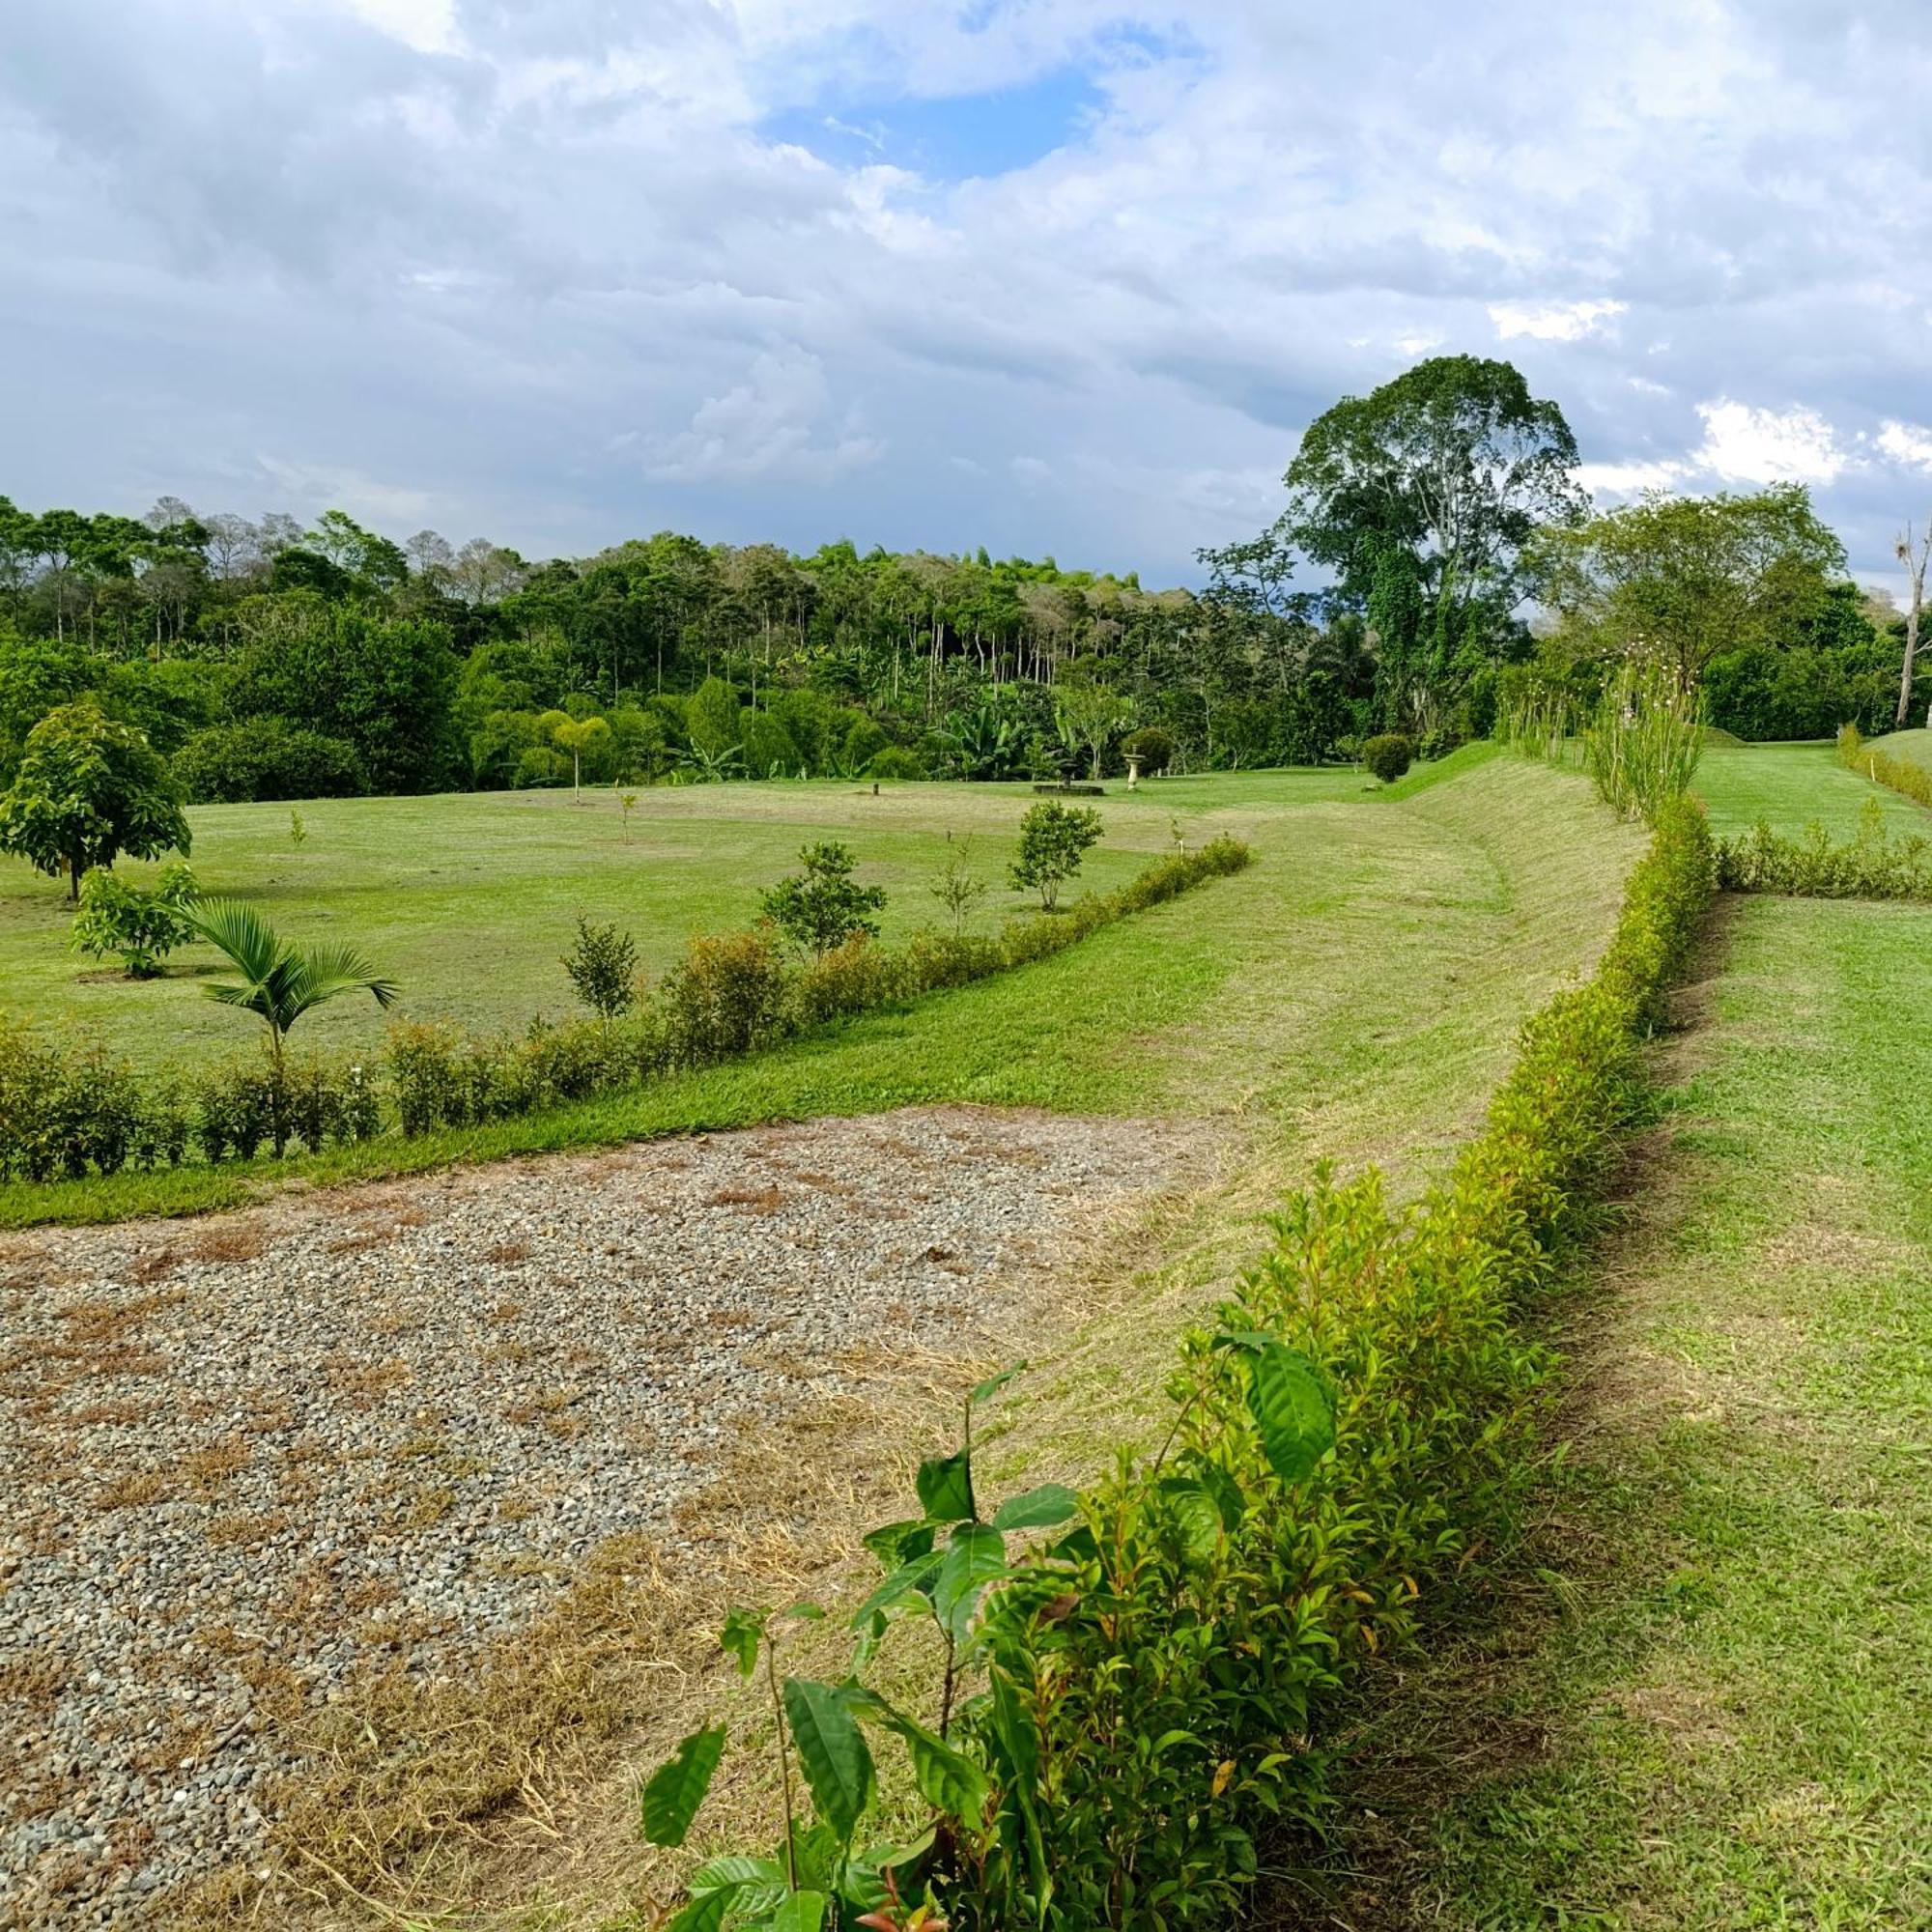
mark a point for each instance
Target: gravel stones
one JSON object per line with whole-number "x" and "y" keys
{"x": 248, "y": 1454}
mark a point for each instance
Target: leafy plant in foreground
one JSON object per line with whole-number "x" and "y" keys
{"x": 143, "y": 927}
{"x": 281, "y": 978}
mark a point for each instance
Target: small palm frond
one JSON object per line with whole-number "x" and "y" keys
{"x": 241, "y": 932}
{"x": 318, "y": 973}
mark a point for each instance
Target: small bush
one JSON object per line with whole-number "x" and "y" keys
{"x": 935, "y": 960}
{"x": 603, "y": 968}
{"x": 1387, "y": 757}
{"x": 851, "y": 979}
{"x": 142, "y": 926}
{"x": 1054, "y": 839}
{"x": 895, "y": 763}
{"x": 824, "y": 906}
{"x": 727, "y": 996}
{"x": 1873, "y": 865}
{"x": 267, "y": 758}
{"x": 1153, "y": 746}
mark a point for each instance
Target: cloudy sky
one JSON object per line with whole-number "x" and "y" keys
{"x": 1043, "y": 274}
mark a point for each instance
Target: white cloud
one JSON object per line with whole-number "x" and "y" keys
{"x": 429, "y": 26}
{"x": 1554, "y": 322}
{"x": 1907, "y": 443}
{"x": 1629, "y": 479}
{"x": 313, "y": 488}
{"x": 1746, "y": 445}
{"x": 771, "y": 425}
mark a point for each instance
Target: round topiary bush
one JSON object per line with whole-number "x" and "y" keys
{"x": 1153, "y": 746}
{"x": 1388, "y": 756}
{"x": 895, "y": 762}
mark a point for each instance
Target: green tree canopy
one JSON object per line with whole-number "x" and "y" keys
{"x": 1695, "y": 577}
{"x": 87, "y": 791}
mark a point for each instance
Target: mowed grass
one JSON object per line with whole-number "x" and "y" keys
{"x": 470, "y": 899}
{"x": 1701, "y": 1701}
{"x": 1913, "y": 746}
{"x": 1358, "y": 986}
{"x": 1792, "y": 786}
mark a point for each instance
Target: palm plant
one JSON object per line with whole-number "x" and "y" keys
{"x": 281, "y": 979}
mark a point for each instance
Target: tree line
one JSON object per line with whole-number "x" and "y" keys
{"x": 1435, "y": 553}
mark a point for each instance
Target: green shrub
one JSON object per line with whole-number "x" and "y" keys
{"x": 725, "y": 997}
{"x": 865, "y": 739}
{"x": 1054, "y": 839}
{"x": 850, "y": 978}
{"x": 768, "y": 749}
{"x": 895, "y": 763}
{"x": 823, "y": 906}
{"x": 935, "y": 960}
{"x": 1872, "y": 865}
{"x": 142, "y": 926}
{"x": 1387, "y": 757}
{"x": 261, "y": 759}
{"x": 1155, "y": 747}
{"x": 66, "y": 1109}
{"x": 603, "y": 968}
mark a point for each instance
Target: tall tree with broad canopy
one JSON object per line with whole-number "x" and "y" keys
{"x": 1695, "y": 576}
{"x": 1420, "y": 498}
{"x": 87, "y": 791}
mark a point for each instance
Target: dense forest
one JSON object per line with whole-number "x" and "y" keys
{"x": 1434, "y": 551}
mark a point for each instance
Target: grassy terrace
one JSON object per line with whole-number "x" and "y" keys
{"x": 1433, "y": 916}
{"x": 1696, "y": 1700}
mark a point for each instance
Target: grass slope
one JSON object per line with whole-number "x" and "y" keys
{"x": 1703, "y": 1704}
{"x": 1914, "y": 746}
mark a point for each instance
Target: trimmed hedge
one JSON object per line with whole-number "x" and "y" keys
{"x": 1147, "y": 1688}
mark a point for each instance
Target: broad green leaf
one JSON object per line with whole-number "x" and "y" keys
{"x": 948, "y": 1779}
{"x": 1251, "y": 1341}
{"x": 1292, "y": 1410}
{"x": 703, "y": 1914}
{"x": 945, "y": 1485}
{"x": 913, "y": 1579}
{"x": 897, "y": 1543}
{"x": 975, "y": 1556}
{"x": 801, "y": 1911}
{"x": 1226, "y": 1491}
{"x": 1196, "y": 1517}
{"x": 1044, "y": 1508}
{"x": 677, "y": 1787}
{"x": 733, "y": 1869}
{"x": 831, "y": 1750}
{"x": 993, "y": 1384}
{"x": 744, "y": 1630}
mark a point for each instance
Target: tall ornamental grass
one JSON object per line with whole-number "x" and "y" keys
{"x": 1642, "y": 744}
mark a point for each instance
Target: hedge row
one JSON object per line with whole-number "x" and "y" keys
{"x": 68, "y": 1111}
{"x": 1150, "y": 1685}
{"x": 1871, "y": 865}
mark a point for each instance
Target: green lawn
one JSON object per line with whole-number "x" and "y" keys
{"x": 1700, "y": 1700}
{"x": 1914, "y": 746}
{"x": 1357, "y": 988}
{"x": 470, "y": 899}
{"x": 1793, "y": 785}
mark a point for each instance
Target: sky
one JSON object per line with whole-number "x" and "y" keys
{"x": 1046, "y": 275}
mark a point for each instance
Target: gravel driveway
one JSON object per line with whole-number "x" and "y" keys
{"x": 384, "y": 1424}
